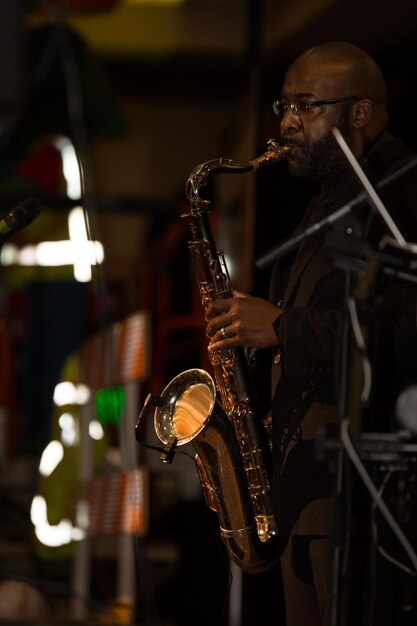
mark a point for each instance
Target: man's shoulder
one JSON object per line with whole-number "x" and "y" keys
{"x": 394, "y": 170}
{"x": 388, "y": 154}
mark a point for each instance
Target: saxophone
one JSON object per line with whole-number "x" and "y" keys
{"x": 233, "y": 452}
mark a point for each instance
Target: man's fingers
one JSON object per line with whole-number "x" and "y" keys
{"x": 215, "y": 308}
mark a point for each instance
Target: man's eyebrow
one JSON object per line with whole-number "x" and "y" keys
{"x": 300, "y": 95}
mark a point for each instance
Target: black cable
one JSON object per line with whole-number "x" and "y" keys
{"x": 161, "y": 450}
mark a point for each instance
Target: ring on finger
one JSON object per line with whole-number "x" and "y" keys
{"x": 224, "y": 333}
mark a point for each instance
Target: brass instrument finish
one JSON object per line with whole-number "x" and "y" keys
{"x": 233, "y": 455}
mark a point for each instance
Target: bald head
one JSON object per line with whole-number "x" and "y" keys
{"x": 339, "y": 69}
{"x": 353, "y": 69}
{"x": 336, "y": 70}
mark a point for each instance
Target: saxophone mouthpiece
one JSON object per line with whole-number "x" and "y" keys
{"x": 274, "y": 153}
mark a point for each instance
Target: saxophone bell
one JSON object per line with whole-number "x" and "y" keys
{"x": 190, "y": 413}
{"x": 187, "y": 404}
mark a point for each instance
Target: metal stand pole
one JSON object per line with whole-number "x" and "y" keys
{"x": 126, "y": 570}
{"x": 81, "y": 565}
{"x": 235, "y": 604}
{"x": 339, "y": 508}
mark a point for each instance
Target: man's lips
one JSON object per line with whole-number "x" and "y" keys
{"x": 294, "y": 149}
{"x": 293, "y": 144}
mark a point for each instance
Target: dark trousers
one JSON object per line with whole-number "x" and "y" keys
{"x": 307, "y": 574}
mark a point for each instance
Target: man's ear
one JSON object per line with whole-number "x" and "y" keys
{"x": 361, "y": 113}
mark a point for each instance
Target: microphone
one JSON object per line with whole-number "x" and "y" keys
{"x": 18, "y": 217}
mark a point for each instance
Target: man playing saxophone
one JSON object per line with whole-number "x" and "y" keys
{"x": 330, "y": 85}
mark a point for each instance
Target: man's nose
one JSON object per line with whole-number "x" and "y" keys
{"x": 290, "y": 122}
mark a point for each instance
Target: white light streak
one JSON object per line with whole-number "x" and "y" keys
{"x": 48, "y": 534}
{"x": 51, "y": 458}
{"x": 70, "y": 166}
{"x": 52, "y": 254}
{"x": 84, "y": 257}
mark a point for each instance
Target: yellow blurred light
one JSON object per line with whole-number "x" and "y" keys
{"x": 152, "y": 3}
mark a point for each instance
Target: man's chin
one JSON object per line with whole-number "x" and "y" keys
{"x": 298, "y": 170}
{"x": 295, "y": 167}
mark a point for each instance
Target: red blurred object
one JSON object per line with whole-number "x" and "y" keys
{"x": 43, "y": 167}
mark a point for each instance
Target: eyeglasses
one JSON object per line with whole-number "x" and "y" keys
{"x": 301, "y": 108}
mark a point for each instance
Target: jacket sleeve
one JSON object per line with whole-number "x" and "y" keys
{"x": 308, "y": 335}
{"x": 308, "y": 339}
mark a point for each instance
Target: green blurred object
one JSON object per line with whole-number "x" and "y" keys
{"x": 110, "y": 404}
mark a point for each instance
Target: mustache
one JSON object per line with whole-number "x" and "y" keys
{"x": 292, "y": 144}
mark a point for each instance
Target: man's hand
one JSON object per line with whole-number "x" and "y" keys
{"x": 241, "y": 321}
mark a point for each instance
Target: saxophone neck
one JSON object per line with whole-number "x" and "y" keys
{"x": 200, "y": 176}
